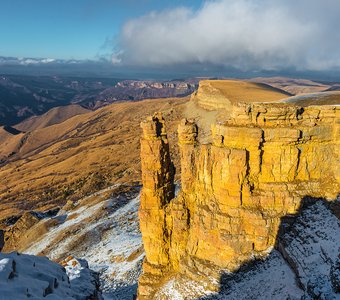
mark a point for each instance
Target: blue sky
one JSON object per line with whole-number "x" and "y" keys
{"x": 69, "y": 28}
{"x": 247, "y": 35}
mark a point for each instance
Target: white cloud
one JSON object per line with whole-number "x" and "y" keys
{"x": 245, "y": 34}
{"x": 47, "y": 60}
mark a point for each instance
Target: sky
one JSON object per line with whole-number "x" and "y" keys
{"x": 246, "y": 35}
{"x": 70, "y": 29}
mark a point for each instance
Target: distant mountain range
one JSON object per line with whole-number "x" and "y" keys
{"x": 22, "y": 97}
{"x": 25, "y": 96}
{"x": 11, "y": 60}
{"x": 46, "y": 66}
{"x": 70, "y": 183}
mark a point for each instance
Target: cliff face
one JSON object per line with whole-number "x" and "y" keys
{"x": 234, "y": 191}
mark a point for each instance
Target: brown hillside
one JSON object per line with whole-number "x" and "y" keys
{"x": 324, "y": 98}
{"x": 9, "y": 142}
{"x": 79, "y": 156}
{"x": 55, "y": 115}
{"x": 50, "y": 165}
{"x": 292, "y": 85}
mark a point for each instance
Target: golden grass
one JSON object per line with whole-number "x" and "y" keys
{"x": 90, "y": 151}
{"x": 243, "y": 91}
{"x": 79, "y": 156}
{"x": 55, "y": 115}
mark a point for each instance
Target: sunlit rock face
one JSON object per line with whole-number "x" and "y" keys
{"x": 234, "y": 191}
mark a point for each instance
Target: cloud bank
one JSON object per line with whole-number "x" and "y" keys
{"x": 241, "y": 34}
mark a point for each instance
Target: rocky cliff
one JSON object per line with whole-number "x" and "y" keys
{"x": 262, "y": 161}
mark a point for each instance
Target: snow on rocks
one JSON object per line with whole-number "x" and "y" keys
{"x": 104, "y": 230}
{"x": 312, "y": 249}
{"x": 23, "y": 276}
{"x": 82, "y": 278}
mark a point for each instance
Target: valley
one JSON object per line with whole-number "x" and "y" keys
{"x": 22, "y": 97}
{"x": 72, "y": 185}
{"x": 46, "y": 167}
{"x": 170, "y": 150}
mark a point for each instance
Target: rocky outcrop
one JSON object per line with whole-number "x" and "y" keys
{"x": 27, "y": 276}
{"x": 305, "y": 264}
{"x": 26, "y": 229}
{"x": 158, "y": 190}
{"x": 210, "y": 97}
{"x": 16, "y": 232}
{"x": 234, "y": 191}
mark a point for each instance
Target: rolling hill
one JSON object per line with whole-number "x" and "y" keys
{"x": 324, "y": 98}
{"x": 295, "y": 86}
{"x": 45, "y": 167}
{"x": 24, "y": 96}
{"x": 55, "y": 115}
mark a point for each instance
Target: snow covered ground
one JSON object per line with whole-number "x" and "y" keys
{"x": 25, "y": 276}
{"x": 106, "y": 233}
{"x": 104, "y": 230}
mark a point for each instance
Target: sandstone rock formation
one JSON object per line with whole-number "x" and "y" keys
{"x": 234, "y": 191}
{"x": 158, "y": 190}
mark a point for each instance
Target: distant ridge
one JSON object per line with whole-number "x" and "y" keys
{"x": 294, "y": 86}
{"x": 322, "y": 98}
{"x": 54, "y": 116}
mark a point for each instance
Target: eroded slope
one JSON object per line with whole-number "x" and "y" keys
{"x": 77, "y": 157}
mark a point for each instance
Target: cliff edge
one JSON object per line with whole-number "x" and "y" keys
{"x": 222, "y": 94}
{"x": 235, "y": 191}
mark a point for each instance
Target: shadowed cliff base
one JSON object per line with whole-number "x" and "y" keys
{"x": 305, "y": 263}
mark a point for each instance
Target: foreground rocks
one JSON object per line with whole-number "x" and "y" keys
{"x": 24, "y": 231}
{"x": 25, "y": 276}
{"x": 235, "y": 191}
{"x": 18, "y": 230}
{"x": 102, "y": 229}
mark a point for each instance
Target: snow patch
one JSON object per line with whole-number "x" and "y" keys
{"x": 25, "y": 276}
{"x": 111, "y": 242}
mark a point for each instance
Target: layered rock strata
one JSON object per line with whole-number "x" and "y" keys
{"x": 263, "y": 160}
